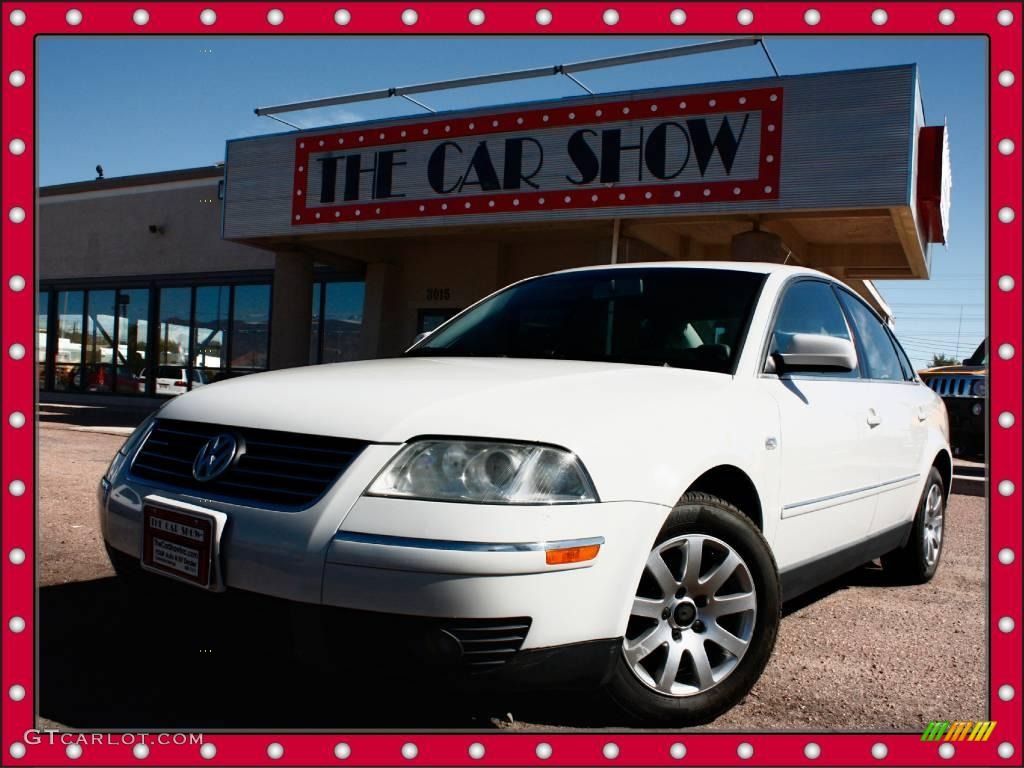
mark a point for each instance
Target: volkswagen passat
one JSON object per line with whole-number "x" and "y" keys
{"x": 611, "y": 475}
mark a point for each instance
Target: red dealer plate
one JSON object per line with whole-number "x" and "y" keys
{"x": 178, "y": 544}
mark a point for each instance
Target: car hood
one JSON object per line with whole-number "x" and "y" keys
{"x": 390, "y": 401}
{"x": 946, "y": 370}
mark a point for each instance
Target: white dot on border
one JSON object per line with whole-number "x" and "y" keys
{"x": 745, "y": 750}
{"x": 812, "y": 751}
{"x": 208, "y": 17}
{"x": 946, "y": 17}
{"x": 16, "y": 692}
{"x": 1005, "y": 750}
{"x": 410, "y": 17}
{"x": 16, "y": 419}
{"x": 678, "y": 17}
{"x": 879, "y": 17}
{"x": 16, "y": 283}
{"x": 1006, "y": 625}
{"x": 16, "y": 147}
{"x": 16, "y": 556}
{"x": 73, "y": 751}
{"x": 1006, "y": 556}
{"x": 141, "y": 17}
{"x": 610, "y": 750}
{"x": 16, "y": 78}
{"x": 1006, "y": 692}
{"x": 1006, "y": 215}
{"x": 141, "y": 751}
{"x": 275, "y": 16}
{"x": 1006, "y": 351}
{"x": 1006, "y": 420}
{"x": 16, "y": 624}
{"x": 1006, "y": 146}
{"x": 342, "y": 17}
{"x": 745, "y": 17}
{"x": 946, "y": 751}
{"x": 677, "y": 751}
{"x": 544, "y": 17}
{"x": 477, "y": 17}
{"x": 812, "y": 17}
{"x": 208, "y": 751}
{"x": 1005, "y": 17}
{"x": 879, "y": 751}
{"x": 476, "y": 750}
{"x": 610, "y": 17}
{"x": 342, "y": 751}
{"x": 410, "y": 750}
{"x": 1006, "y": 283}
{"x": 543, "y": 750}
{"x": 275, "y": 751}
{"x": 1006, "y": 487}
{"x": 17, "y": 750}
{"x": 73, "y": 17}
{"x": 16, "y": 487}
{"x": 16, "y": 351}
{"x": 17, "y": 17}
{"x": 1006, "y": 78}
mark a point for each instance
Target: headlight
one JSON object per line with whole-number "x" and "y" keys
{"x": 979, "y": 388}
{"x": 485, "y": 472}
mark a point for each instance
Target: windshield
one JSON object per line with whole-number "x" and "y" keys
{"x": 681, "y": 317}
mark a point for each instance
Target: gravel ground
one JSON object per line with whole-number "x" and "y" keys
{"x": 855, "y": 655}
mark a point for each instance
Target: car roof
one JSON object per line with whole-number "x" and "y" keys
{"x": 735, "y": 266}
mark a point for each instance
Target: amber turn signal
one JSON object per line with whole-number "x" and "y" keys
{"x": 572, "y": 554}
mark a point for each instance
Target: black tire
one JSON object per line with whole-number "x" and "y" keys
{"x": 910, "y": 564}
{"x": 703, "y": 514}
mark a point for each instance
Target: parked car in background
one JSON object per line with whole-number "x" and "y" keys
{"x": 963, "y": 388}
{"x": 610, "y": 475}
{"x": 173, "y": 379}
{"x": 99, "y": 377}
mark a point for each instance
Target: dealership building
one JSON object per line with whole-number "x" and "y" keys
{"x": 344, "y": 243}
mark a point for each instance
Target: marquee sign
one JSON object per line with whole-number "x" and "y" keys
{"x": 670, "y": 148}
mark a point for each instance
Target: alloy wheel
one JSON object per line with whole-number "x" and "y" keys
{"x": 693, "y": 616}
{"x": 933, "y": 518}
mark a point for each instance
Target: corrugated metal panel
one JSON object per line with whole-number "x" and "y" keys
{"x": 846, "y": 143}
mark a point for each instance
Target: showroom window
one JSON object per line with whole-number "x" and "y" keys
{"x": 151, "y": 340}
{"x": 337, "y": 321}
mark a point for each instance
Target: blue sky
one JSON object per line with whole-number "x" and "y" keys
{"x": 137, "y": 104}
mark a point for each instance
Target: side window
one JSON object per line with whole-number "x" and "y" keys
{"x": 908, "y": 368}
{"x": 880, "y": 355}
{"x": 809, "y": 306}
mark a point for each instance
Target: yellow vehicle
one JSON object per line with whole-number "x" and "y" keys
{"x": 963, "y": 388}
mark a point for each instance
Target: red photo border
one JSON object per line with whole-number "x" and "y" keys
{"x": 1001, "y": 22}
{"x": 767, "y": 101}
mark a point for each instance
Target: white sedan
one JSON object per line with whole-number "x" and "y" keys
{"x": 610, "y": 476}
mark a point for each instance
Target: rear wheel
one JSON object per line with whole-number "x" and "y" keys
{"x": 704, "y": 620}
{"x": 917, "y": 561}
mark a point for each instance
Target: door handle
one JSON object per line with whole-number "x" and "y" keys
{"x": 873, "y": 418}
{"x": 922, "y": 414}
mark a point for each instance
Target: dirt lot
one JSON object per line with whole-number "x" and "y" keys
{"x": 857, "y": 654}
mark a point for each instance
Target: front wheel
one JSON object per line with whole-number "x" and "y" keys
{"x": 704, "y": 619}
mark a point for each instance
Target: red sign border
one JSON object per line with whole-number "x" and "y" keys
{"x": 1000, "y": 22}
{"x": 769, "y": 101}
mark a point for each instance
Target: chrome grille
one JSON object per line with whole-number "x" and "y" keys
{"x": 952, "y": 386}
{"x": 489, "y": 643}
{"x": 280, "y": 469}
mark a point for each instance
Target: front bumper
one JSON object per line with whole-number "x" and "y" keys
{"x": 410, "y": 558}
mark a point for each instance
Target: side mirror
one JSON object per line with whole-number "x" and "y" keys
{"x": 815, "y": 353}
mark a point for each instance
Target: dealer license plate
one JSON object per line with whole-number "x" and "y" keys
{"x": 178, "y": 544}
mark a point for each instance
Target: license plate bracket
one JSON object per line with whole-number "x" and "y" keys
{"x": 180, "y": 544}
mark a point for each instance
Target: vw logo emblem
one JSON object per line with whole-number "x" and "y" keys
{"x": 215, "y": 457}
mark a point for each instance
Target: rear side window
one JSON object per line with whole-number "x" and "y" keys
{"x": 809, "y": 306}
{"x": 879, "y": 353}
{"x": 908, "y": 369}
